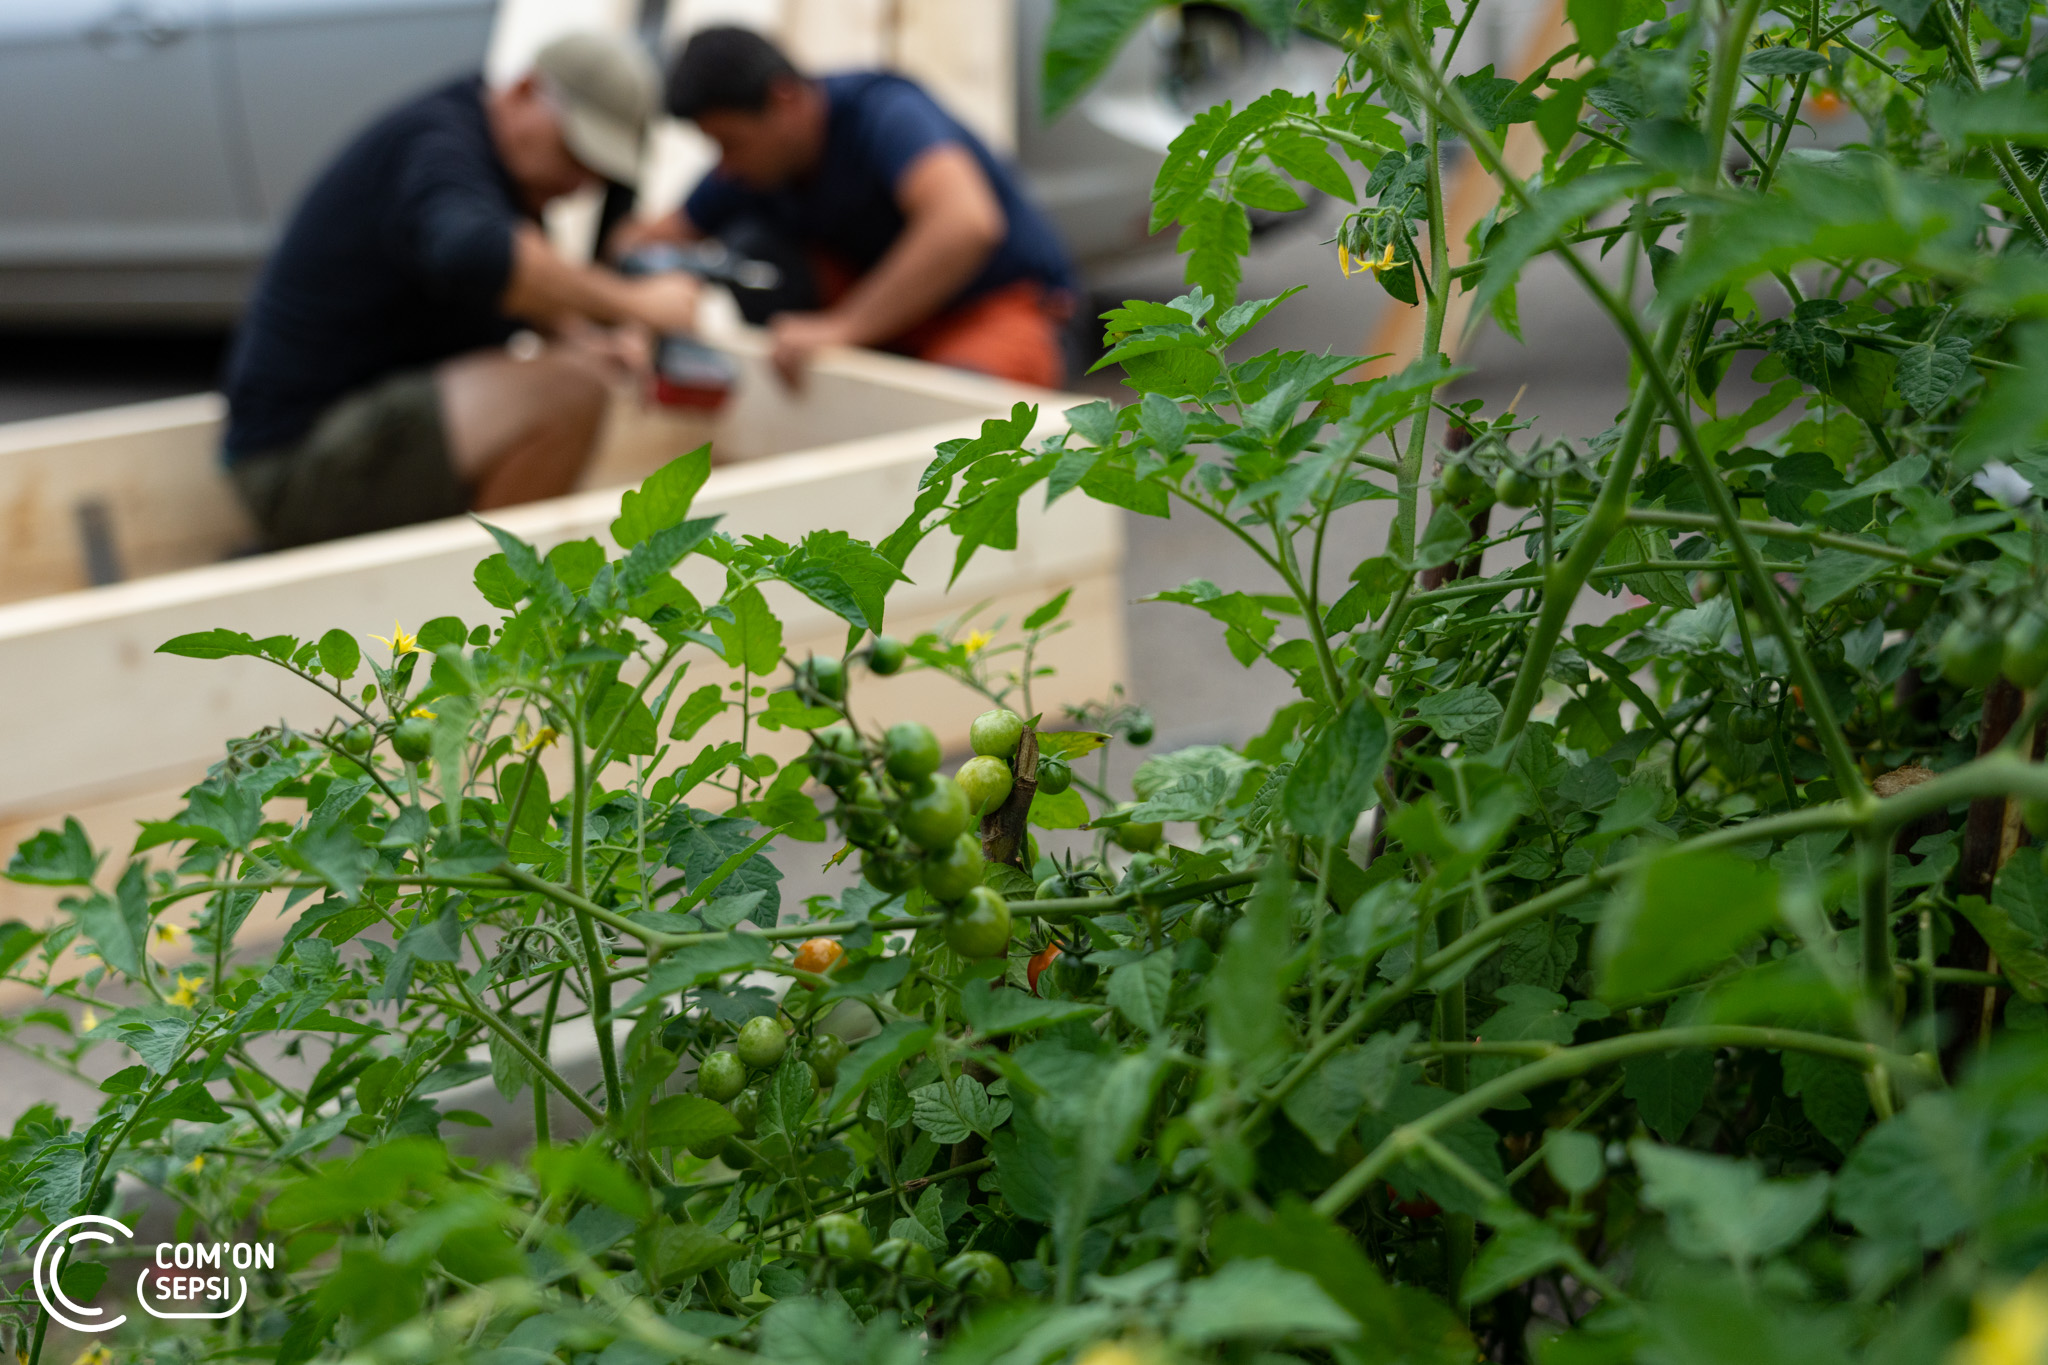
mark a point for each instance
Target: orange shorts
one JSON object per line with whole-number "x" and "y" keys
{"x": 1012, "y": 333}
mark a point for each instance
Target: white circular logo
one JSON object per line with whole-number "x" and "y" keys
{"x": 49, "y": 1267}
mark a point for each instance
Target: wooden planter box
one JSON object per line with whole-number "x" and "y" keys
{"x": 103, "y": 727}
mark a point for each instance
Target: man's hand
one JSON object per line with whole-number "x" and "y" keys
{"x": 667, "y": 303}
{"x": 799, "y": 336}
{"x": 549, "y": 291}
{"x": 630, "y": 235}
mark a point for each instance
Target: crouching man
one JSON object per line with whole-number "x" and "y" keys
{"x": 371, "y": 384}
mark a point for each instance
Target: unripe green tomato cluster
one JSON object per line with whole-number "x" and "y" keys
{"x": 1970, "y": 653}
{"x": 762, "y": 1042}
{"x": 901, "y": 1256}
{"x": 980, "y": 1273}
{"x": 1138, "y": 836}
{"x": 828, "y": 1050}
{"x": 827, "y": 677}
{"x": 413, "y": 739}
{"x": 979, "y": 926}
{"x": 996, "y": 734}
{"x": 1054, "y": 774}
{"x": 886, "y": 655}
{"x": 2024, "y": 657}
{"x": 1461, "y": 482}
{"x": 1516, "y": 488}
{"x": 1751, "y": 724}
{"x": 721, "y": 1076}
{"x": 987, "y": 781}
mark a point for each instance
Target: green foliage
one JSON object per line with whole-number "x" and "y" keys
{"x": 1554, "y": 979}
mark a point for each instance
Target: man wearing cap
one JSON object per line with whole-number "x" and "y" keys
{"x": 370, "y": 384}
{"x": 899, "y": 227}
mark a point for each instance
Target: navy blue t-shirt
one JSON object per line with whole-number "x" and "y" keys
{"x": 396, "y": 259}
{"x": 876, "y": 126}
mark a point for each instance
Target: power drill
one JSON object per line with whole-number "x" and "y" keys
{"x": 687, "y": 373}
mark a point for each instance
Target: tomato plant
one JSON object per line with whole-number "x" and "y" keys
{"x": 1554, "y": 978}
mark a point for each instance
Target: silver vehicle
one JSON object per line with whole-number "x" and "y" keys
{"x": 154, "y": 148}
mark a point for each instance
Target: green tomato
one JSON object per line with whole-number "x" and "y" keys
{"x": 979, "y": 926}
{"x": 746, "y": 1111}
{"x": 886, "y": 655}
{"x": 887, "y": 871}
{"x": 1969, "y": 656}
{"x": 828, "y": 1050}
{"x": 762, "y": 1042}
{"x": 1054, "y": 888}
{"x": 1075, "y": 976}
{"x": 721, "y": 1076}
{"x": 1054, "y": 775}
{"x": 978, "y": 1273}
{"x": 1210, "y": 923}
{"x": 910, "y": 751}
{"x": 1516, "y": 488}
{"x": 707, "y": 1150}
{"x": 861, "y": 815}
{"x": 1751, "y": 724}
{"x": 734, "y": 1155}
{"x": 827, "y": 677}
{"x": 995, "y": 734}
{"x": 413, "y": 740}
{"x": 1139, "y": 836}
{"x": 836, "y": 756}
{"x": 986, "y": 781}
{"x": 901, "y": 1256}
{"x": 2035, "y": 813}
{"x": 951, "y": 874}
{"x": 358, "y": 738}
{"x": 1461, "y": 482}
{"x": 842, "y": 1237}
{"x": 1138, "y": 729}
{"x": 934, "y": 817}
{"x": 2025, "y": 658}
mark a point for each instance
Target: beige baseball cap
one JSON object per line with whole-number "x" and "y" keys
{"x": 608, "y": 91}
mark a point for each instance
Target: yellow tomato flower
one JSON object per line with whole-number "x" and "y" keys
{"x": 187, "y": 993}
{"x": 1344, "y": 260}
{"x": 978, "y": 641}
{"x": 196, "y": 1164}
{"x": 400, "y": 643}
{"x": 1385, "y": 262}
{"x": 88, "y": 1020}
{"x": 530, "y": 739}
{"x": 95, "y": 1354}
{"x": 422, "y": 712}
{"x": 2013, "y": 1330}
{"x": 168, "y": 933}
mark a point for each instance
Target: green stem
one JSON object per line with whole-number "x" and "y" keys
{"x": 1576, "y": 1061}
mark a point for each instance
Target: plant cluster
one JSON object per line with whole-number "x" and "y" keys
{"x": 1671, "y": 985}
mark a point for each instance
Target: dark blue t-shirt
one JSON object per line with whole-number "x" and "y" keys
{"x": 876, "y": 126}
{"x": 396, "y": 259}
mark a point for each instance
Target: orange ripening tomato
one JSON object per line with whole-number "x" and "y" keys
{"x": 1824, "y": 103}
{"x": 1040, "y": 960}
{"x": 819, "y": 955}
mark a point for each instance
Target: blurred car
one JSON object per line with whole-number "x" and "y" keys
{"x": 155, "y": 147}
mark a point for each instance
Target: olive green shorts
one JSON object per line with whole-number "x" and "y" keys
{"x": 378, "y": 458}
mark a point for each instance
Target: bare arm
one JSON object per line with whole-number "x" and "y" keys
{"x": 554, "y": 292}
{"x": 673, "y": 228}
{"x": 953, "y": 223}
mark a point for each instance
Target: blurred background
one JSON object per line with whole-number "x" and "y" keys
{"x": 158, "y": 146}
